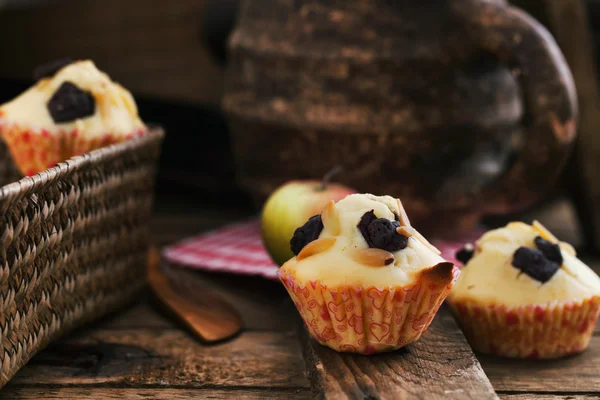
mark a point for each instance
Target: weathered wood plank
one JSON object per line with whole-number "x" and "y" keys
{"x": 35, "y": 393}
{"x": 263, "y": 304}
{"x": 439, "y": 366}
{"x": 576, "y": 374}
{"x": 542, "y": 396}
{"x": 141, "y": 354}
{"x": 169, "y": 358}
{"x": 138, "y": 316}
{"x": 204, "y": 313}
{"x": 277, "y": 315}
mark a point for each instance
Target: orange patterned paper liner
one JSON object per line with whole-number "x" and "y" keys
{"x": 537, "y": 331}
{"x": 369, "y": 320}
{"x": 35, "y": 151}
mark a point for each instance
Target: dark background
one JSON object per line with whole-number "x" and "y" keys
{"x": 172, "y": 56}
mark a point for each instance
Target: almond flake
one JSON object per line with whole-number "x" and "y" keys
{"x": 372, "y": 257}
{"x": 331, "y": 219}
{"x": 402, "y": 216}
{"x": 315, "y": 247}
{"x": 567, "y": 248}
{"x": 410, "y": 231}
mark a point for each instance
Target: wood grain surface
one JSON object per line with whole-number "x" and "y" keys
{"x": 140, "y": 353}
{"x": 440, "y": 365}
{"x": 203, "y": 313}
{"x": 36, "y": 393}
{"x": 263, "y": 304}
{"x": 169, "y": 358}
{"x": 548, "y": 397}
{"x": 575, "y": 374}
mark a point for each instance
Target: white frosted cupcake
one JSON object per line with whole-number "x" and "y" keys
{"x": 525, "y": 294}
{"x": 72, "y": 109}
{"x": 363, "y": 279}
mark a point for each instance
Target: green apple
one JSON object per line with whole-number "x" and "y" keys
{"x": 289, "y": 207}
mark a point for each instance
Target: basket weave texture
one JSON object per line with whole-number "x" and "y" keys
{"x": 73, "y": 244}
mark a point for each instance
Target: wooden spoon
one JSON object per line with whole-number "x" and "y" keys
{"x": 205, "y": 314}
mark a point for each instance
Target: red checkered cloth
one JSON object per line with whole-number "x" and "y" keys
{"x": 238, "y": 249}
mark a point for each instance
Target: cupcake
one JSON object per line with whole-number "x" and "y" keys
{"x": 364, "y": 280}
{"x": 525, "y": 294}
{"x": 72, "y": 109}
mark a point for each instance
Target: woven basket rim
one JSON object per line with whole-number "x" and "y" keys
{"x": 31, "y": 183}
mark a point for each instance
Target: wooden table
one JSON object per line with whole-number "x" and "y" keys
{"x": 139, "y": 353}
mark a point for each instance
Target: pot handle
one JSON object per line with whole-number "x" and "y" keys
{"x": 524, "y": 45}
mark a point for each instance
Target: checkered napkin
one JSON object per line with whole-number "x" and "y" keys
{"x": 238, "y": 249}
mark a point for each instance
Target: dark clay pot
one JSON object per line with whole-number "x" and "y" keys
{"x": 458, "y": 107}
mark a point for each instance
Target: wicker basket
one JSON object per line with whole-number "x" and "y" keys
{"x": 73, "y": 244}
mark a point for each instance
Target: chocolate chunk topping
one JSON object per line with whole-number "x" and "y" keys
{"x": 542, "y": 263}
{"x": 70, "y": 103}
{"x": 307, "y": 233}
{"x": 535, "y": 264}
{"x": 550, "y": 250}
{"x": 380, "y": 233}
{"x": 465, "y": 254}
{"x": 50, "y": 69}
{"x": 384, "y": 236}
{"x": 363, "y": 225}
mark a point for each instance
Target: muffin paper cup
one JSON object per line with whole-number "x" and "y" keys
{"x": 370, "y": 320}
{"x": 35, "y": 151}
{"x": 538, "y": 331}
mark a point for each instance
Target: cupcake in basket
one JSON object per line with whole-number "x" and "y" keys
{"x": 525, "y": 294}
{"x": 72, "y": 109}
{"x": 363, "y": 279}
